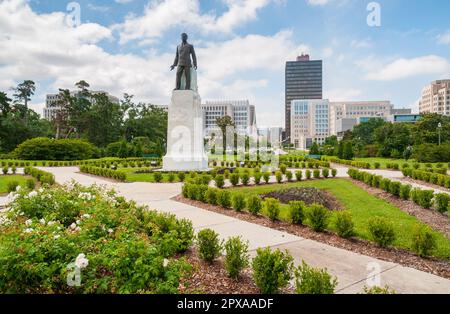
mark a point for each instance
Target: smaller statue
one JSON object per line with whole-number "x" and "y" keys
{"x": 183, "y": 62}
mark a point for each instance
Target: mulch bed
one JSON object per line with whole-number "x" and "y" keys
{"x": 213, "y": 278}
{"x": 400, "y": 256}
{"x": 432, "y": 218}
{"x": 307, "y": 195}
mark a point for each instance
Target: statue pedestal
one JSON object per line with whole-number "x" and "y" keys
{"x": 185, "y": 147}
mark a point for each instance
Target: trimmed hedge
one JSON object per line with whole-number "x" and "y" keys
{"x": 423, "y": 198}
{"x": 104, "y": 172}
{"x": 42, "y": 176}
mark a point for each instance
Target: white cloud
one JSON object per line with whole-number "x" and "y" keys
{"x": 42, "y": 47}
{"x": 342, "y": 94}
{"x": 318, "y": 2}
{"x": 123, "y": 1}
{"x": 364, "y": 43}
{"x": 404, "y": 68}
{"x": 160, "y": 16}
{"x": 444, "y": 39}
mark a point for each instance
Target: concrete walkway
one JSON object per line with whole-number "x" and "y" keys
{"x": 352, "y": 269}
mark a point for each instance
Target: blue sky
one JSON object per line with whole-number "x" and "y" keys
{"x": 242, "y": 45}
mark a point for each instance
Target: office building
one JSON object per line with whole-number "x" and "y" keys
{"x": 436, "y": 98}
{"x": 309, "y": 122}
{"x": 303, "y": 80}
{"x": 355, "y": 112}
{"x": 242, "y": 113}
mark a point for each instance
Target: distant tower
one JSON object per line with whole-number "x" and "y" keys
{"x": 303, "y": 80}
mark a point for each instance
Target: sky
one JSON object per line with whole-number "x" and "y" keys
{"x": 127, "y": 46}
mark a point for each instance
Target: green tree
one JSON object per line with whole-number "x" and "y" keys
{"x": 314, "y": 149}
{"x": 24, "y": 91}
{"x": 364, "y": 133}
{"x": 348, "y": 151}
{"x": 224, "y": 123}
{"x": 426, "y": 129}
{"x": 393, "y": 138}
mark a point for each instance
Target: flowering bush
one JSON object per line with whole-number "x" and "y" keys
{"x": 73, "y": 239}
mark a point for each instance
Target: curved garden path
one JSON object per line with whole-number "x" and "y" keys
{"x": 352, "y": 269}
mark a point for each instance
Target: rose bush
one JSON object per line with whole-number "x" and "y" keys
{"x": 117, "y": 246}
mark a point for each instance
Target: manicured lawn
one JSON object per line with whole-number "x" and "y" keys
{"x": 362, "y": 206}
{"x": 4, "y": 179}
{"x": 400, "y": 162}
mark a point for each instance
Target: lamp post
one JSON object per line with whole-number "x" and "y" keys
{"x": 439, "y": 132}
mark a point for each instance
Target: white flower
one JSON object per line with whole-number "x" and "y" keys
{"x": 29, "y": 230}
{"x": 56, "y": 237}
{"x": 18, "y": 188}
{"x": 73, "y": 226}
{"x": 78, "y": 222}
{"x": 42, "y": 221}
{"x": 165, "y": 262}
{"x": 110, "y": 231}
{"x": 50, "y": 223}
{"x": 29, "y": 222}
{"x": 41, "y": 190}
{"x": 77, "y": 229}
{"x": 81, "y": 261}
{"x": 86, "y": 216}
{"x": 32, "y": 194}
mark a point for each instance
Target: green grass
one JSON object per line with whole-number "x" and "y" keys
{"x": 400, "y": 162}
{"x": 362, "y": 206}
{"x": 4, "y": 179}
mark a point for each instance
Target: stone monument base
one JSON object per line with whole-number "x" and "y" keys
{"x": 185, "y": 147}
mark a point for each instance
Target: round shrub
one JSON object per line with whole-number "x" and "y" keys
{"x": 308, "y": 174}
{"x": 272, "y": 270}
{"x": 334, "y": 172}
{"x": 325, "y": 172}
{"x": 266, "y": 177}
{"x": 234, "y": 178}
{"x": 205, "y": 179}
{"x": 423, "y": 240}
{"x": 157, "y": 176}
{"x": 309, "y": 280}
{"x": 298, "y": 175}
{"x": 171, "y": 177}
{"x": 279, "y": 176}
{"x": 318, "y": 217}
{"x": 245, "y": 178}
{"x": 381, "y": 231}
{"x": 209, "y": 245}
{"x": 272, "y": 207}
{"x": 344, "y": 224}
{"x": 394, "y": 188}
{"x": 236, "y": 256}
{"x": 224, "y": 198}
{"x": 316, "y": 174}
{"x": 5, "y": 170}
{"x": 211, "y": 196}
{"x": 297, "y": 212}
{"x": 257, "y": 177}
{"x": 283, "y": 168}
{"x": 220, "y": 181}
{"x": 254, "y": 204}
{"x": 42, "y": 148}
{"x": 238, "y": 201}
{"x": 289, "y": 176}
{"x": 181, "y": 176}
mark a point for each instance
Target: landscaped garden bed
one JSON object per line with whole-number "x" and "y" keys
{"x": 309, "y": 195}
{"x": 355, "y": 225}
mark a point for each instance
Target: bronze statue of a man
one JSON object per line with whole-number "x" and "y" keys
{"x": 183, "y": 61}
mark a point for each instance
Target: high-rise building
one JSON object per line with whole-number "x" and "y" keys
{"x": 52, "y": 106}
{"x": 242, "y": 113}
{"x": 303, "y": 80}
{"x": 310, "y": 122}
{"x": 436, "y": 98}
{"x": 345, "y": 115}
